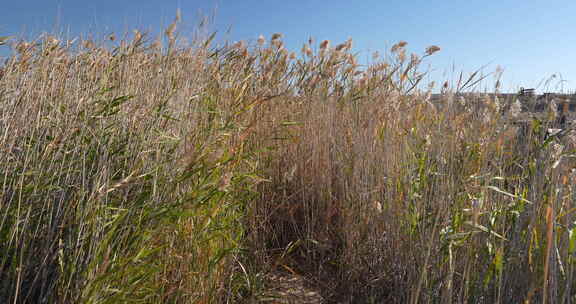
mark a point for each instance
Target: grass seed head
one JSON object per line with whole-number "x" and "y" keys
{"x": 278, "y": 44}
{"x": 137, "y": 37}
{"x": 261, "y": 40}
{"x": 349, "y": 44}
{"x": 23, "y": 47}
{"x": 340, "y": 47}
{"x": 170, "y": 30}
{"x": 306, "y": 50}
{"x": 88, "y": 44}
{"x": 432, "y": 49}
{"x": 398, "y": 46}
{"x": 239, "y": 45}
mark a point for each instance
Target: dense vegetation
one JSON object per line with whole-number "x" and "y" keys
{"x": 148, "y": 170}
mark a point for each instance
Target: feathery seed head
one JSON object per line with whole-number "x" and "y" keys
{"x": 50, "y": 42}
{"x": 157, "y": 44}
{"x": 307, "y": 50}
{"x": 88, "y": 44}
{"x": 401, "y": 55}
{"x": 276, "y": 36}
{"x": 340, "y": 47}
{"x": 53, "y": 41}
{"x": 432, "y": 49}
{"x": 378, "y": 67}
{"x": 324, "y": 45}
{"x": 22, "y": 47}
{"x": 238, "y": 45}
{"x": 398, "y": 46}
{"x": 261, "y": 40}
{"x": 137, "y": 37}
{"x": 349, "y": 43}
{"x": 278, "y": 43}
{"x": 345, "y": 45}
{"x": 170, "y": 30}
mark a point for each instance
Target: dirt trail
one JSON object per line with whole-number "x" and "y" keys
{"x": 289, "y": 288}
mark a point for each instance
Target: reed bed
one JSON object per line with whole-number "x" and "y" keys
{"x": 143, "y": 169}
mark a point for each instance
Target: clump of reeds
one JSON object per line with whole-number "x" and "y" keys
{"x": 124, "y": 171}
{"x": 152, "y": 171}
{"x": 387, "y": 196}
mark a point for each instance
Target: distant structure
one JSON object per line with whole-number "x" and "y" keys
{"x": 531, "y": 103}
{"x": 527, "y": 92}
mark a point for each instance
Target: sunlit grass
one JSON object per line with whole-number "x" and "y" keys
{"x": 159, "y": 172}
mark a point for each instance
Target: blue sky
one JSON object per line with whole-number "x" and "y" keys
{"x": 530, "y": 40}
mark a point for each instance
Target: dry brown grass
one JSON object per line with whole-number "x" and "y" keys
{"x": 159, "y": 172}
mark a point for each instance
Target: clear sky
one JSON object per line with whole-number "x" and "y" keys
{"x": 530, "y": 40}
